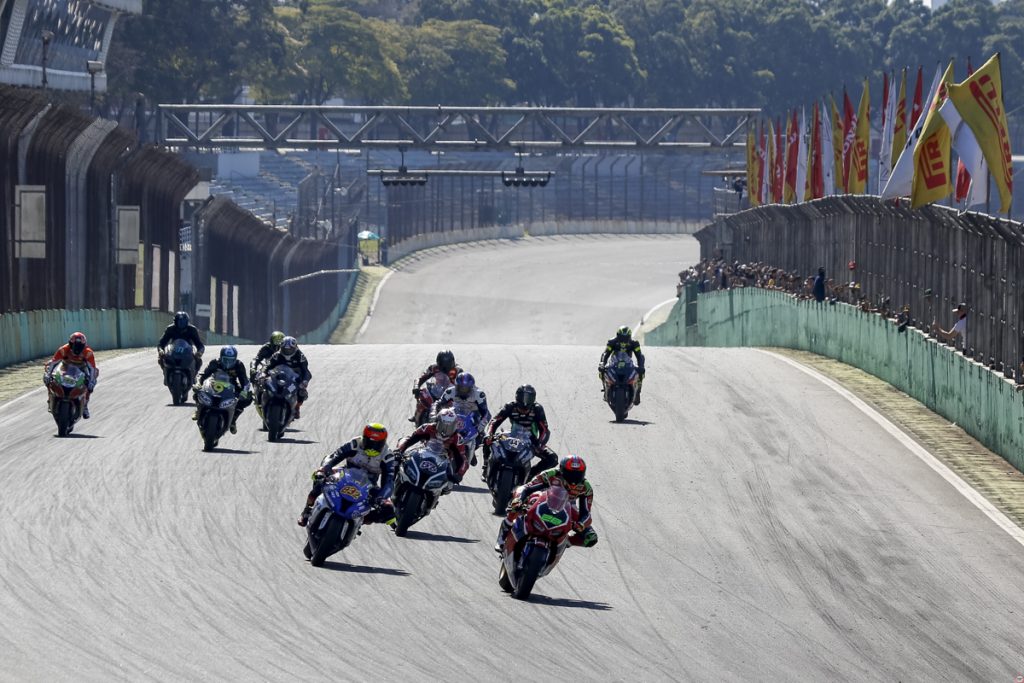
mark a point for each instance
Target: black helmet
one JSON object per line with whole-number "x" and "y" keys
{"x": 526, "y": 396}
{"x": 181, "y": 320}
{"x": 624, "y": 332}
{"x": 445, "y": 360}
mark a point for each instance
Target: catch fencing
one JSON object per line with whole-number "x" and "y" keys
{"x": 930, "y": 258}
{"x": 90, "y": 220}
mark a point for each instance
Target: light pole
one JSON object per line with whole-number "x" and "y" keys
{"x": 46, "y": 37}
{"x": 93, "y": 67}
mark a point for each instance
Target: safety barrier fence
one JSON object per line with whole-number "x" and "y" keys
{"x": 982, "y": 402}
{"x": 930, "y": 259}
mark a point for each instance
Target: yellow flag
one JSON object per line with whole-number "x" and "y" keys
{"x": 932, "y": 171}
{"x": 899, "y": 130}
{"x": 837, "y": 147}
{"x": 979, "y": 100}
{"x": 861, "y": 146}
{"x": 753, "y": 182}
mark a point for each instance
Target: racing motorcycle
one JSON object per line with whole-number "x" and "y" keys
{"x": 216, "y": 401}
{"x": 179, "y": 369}
{"x": 469, "y": 434}
{"x": 422, "y": 476}
{"x": 277, "y": 400}
{"x": 429, "y": 393}
{"x": 337, "y": 514}
{"x": 67, "y": 385}
{"x": 620, "y": 377}
{"x": 509, "y": 465}
{"x": 536, "y": 541}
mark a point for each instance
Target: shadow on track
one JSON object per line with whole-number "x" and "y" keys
{"x": 470, "y": 489}
{"x": 363, "y": 569}
{"x": 630, "y": 421}
{"x": 424, "y": 536}
{"x": 569, "y": 602}
{"x": 301, "y": 441}
{"x": 230, "y": 451}
{"x": 72, "y": 435}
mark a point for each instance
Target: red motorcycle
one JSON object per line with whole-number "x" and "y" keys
{"x": 67, "y": 385}
{"x": 430, "y": 392}
{"x": 536, "y": 541}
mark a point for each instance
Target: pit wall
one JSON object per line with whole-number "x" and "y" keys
{"x": 982, "y": 402}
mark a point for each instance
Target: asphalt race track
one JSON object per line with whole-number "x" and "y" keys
{"x": 754, "y": 525}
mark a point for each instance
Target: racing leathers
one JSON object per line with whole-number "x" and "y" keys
{"x": 474, "y": 405}
{"x": 456, "y": 452}
{"x": 239, "y": 380}
{"x": 582, "y": 494}
{"x": 533, "y": 419}
{"x": 190, "y": 334}
{"x": 381, "y": 469}
{"x": 424, "y": 400}
{"x": 85, "y": 360}
{"x": 300, "y": 365}
{"x": 629, "y": 346}
{"x": 263, "y": 355}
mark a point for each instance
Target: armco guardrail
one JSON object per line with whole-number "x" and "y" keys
{"x": 35, "y": 334}
{"x": 984, "y": 404}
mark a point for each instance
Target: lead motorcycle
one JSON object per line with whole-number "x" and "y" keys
{"x": 536, "y": 541}
{"x": 620, "y": 377}
{"x": 509, "y": 465}
{"x": 67, "y": 385}
{"x": 337, "y": 514}
{"x": 277, "y": 400}
{"x": 179, "y": 369}
{"x": 422, "y": 477}
{"x": 216, "y": 401}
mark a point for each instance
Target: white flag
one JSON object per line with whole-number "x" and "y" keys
{"x": 902, "y": 179}
{"x": 827, "y": 153}
{"x": 885, "y": 153}
{"x": 969, "y": 151}
{"x": 801, "y": 161}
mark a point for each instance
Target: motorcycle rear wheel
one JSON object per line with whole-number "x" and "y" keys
{"x": 410, "y": 511}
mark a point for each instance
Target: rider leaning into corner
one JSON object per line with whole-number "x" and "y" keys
{"x": 76, "y": 352}
{"x": 369, "y": 453}
{"x": 444, "y": 367}
{"x": 571, "y": 474}
{"x": 181, "y": 328}
{"x": 467, "y": 399}
{"x": 228, "y": 363}
{"x": 290, "y": 355}
{"x": 527, "y": 413}
{"x": 623, "y": 342}
{"x": 444, "y": 429}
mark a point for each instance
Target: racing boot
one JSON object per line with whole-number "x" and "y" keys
{"x": 506, "y": 526}
{"x": 298, "y": 411}
{"x": 85, "y": 411}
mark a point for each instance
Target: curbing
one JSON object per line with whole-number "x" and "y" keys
{"x": 983, "y": 403}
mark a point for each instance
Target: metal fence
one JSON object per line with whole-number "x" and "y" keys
{"x": 90, "y": 219}
{"x": 930, "y": 258}
{"x": 251, "y": 278}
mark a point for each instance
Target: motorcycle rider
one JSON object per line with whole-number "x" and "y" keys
{"x": 371, "y": 453}
{"x": 571, "y": 474}
{"x": 266, "y": 351}
{"x": 228, "y": 363}
{"x": 444, "y": 366}
{"x": 466, "y": 399}
{"x": 444, "y": 428}
{"x": 623, "y": 342}
{"x": 290, "y": 355}
{"x": 181, "y": 328}
{"x": 75, "y": 352}
{"x": 525, "y": 412}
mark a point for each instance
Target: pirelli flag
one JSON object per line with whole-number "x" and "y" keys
{"x": 932, "y": 170}
{"x": 979, "y": 101}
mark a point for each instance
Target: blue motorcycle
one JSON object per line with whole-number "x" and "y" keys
{"x": 337, "y": 514}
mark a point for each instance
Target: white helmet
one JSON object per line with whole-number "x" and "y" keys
{"x": 446, "y": 423}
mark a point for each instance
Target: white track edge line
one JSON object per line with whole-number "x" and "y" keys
{"x": 653, "y": 308}
{"x": 373, "y": 305}
{"x": 965, "y": 489}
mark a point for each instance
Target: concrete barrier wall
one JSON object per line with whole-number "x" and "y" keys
{"x": 983, "y": 403}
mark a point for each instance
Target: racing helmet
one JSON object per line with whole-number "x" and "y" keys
{"x": 289, "y": 345}
{"x": 445, "y": 360}
{"x": 181, "y": 320}
{"x": 446, "y": 423}
{"x": 228, "y": 357}
{"x": 375, "y": 439}
{"x": 276, "y": 337}
{"x": 77, "y": 343}
{"x": 573, "y": 471}
{"x": 526, "y": 396}
{"x": 464, "y": 384}
{"x": 623, "y": 333}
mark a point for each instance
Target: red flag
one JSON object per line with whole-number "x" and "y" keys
{"x": 762, "y": 154}
{"x": 778, "y": 173}
{"x": 849, "y": 136}
{"x": 792, "y": 150}
{"x": 915, "y": 111}
{"x": 817, "y": 174}
{"x": 963, "y": 178}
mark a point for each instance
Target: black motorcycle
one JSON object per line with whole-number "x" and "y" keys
{"x": 179, "y": 369}
{"x": 277, "y": 400}
{"x": 422, "y": 477}
{"x": 508, "y": 466}
{"x": 620, "y": 377}
{"x": 216, "y": 402}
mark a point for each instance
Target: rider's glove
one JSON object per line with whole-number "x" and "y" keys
{"x": 319, "y": 473}
{"x": 578, "y": 528}
{"x": 196, "y": 388}
{"x": 416, "y": 392}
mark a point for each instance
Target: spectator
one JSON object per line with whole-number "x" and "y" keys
{"x": 819, "y": 286}
{"x": 959, "y": 328}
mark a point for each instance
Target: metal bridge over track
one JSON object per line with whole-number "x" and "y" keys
{"x": 286, "y": 127}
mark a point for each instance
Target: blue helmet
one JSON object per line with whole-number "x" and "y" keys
{"x": 228, "y": 357}
{"x": 464, "y": 384}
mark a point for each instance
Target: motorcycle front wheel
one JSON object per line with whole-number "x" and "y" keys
{"x": 325, "y": 541}
{"x": 65, "y": 418}
{"x": 503, "y": 490}
{"x": 409, "y": 513}
{"x": 532, "y": 566}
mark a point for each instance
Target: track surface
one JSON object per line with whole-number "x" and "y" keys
{"x": 754, "y": 526}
